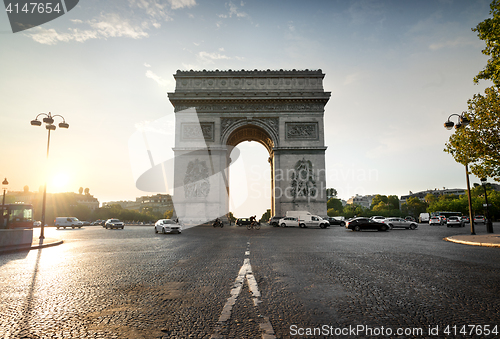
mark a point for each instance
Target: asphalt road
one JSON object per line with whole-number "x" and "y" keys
{"x": 236, "y": 283}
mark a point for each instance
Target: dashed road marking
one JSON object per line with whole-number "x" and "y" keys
{"x": 244, "y": 273}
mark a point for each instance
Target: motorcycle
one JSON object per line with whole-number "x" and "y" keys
{"x": 218, "y": 223}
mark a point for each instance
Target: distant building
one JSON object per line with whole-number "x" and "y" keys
{"x": 421, "y": 195}
{"x": 361, "y": 200}
{"x": 159, "y": 203}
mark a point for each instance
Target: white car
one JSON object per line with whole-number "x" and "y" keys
{"x": 167, "y": 226}
{"x": 289, "y": 222}
{"x": 435, "y": 221}
{"x": 400, "y": 223}
{"x": 455, "y": 221}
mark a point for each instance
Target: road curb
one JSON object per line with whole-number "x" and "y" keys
{"x": 472, "y": 243}
{"x": 28, "y": 248}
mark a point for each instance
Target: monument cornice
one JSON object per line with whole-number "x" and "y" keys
{"x": 247, "y": 81}
{"x": 251, "y": 105}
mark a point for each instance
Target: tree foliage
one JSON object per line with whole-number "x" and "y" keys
{"x": 489, "y": 31}
{"x": 478, "y": 144}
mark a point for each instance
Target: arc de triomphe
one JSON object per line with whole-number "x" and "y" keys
{"x": 216, "y": 110}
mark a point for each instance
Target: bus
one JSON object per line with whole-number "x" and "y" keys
{"x": 16, "y": 216}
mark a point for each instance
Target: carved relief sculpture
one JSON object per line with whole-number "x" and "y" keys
{"x": 303, "y": 181}
{"x": 196, "y": 182}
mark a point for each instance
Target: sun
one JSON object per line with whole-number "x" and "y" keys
{"x": 60, "y": 180}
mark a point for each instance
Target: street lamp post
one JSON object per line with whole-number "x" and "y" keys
{"x": 4, "y": 184}
{"x": 2, "y": 216}
{"x": 489, "y": 224}
{"x": 49, "y": 125}
{"x": 463, "y": 121}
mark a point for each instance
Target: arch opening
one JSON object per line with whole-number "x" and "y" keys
{"x": 253, "y": 181}
{"x": 251, "y": 132}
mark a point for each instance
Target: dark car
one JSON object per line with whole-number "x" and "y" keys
{"x": 358, "y": 224}
{"x": 274, "y": 221}
{"x": 244, "y": 222}
{"x": 333, "y": 221}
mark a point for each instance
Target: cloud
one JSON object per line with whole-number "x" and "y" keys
{"x": 177, "y": 4}
{"x": 233, "y": 10}
{"x": 209, "y": 58}
{"x": 457, "y": 42}
{"x": 112, "y": 25}
{"x": 147, "y": 65}
{"x": 52, "y": 37}
{"x": 159, "y": 80}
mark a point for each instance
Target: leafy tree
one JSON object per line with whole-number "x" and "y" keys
{"x": 266, "y": 216}
{"x": 232, "y": 218}
{"x": 393, "y": 202}
{"x": 352, "y": 210}
{"x": 378, "y": 199}
{"x": 430, "y": 198}
{"x": 87, "y": 191}
{"x": 334, "y": 203}
{"x": 168, "y": 214}
{"x": 413, "y": 206}
{"x": 331, "y": 192}
{"x": 489, "y": 31}
{"x": 26, "y": 189}
{"x": 80, "y": 190}
{"x": 478, "y": 144}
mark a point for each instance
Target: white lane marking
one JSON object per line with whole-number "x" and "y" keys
{"x": 245, "y": 272}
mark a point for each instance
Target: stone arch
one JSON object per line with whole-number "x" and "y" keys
{"x": 250, "y": 131}
{"x": 216, "y": 110}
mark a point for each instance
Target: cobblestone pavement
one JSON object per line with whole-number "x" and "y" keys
{"x": 133, "y": 283}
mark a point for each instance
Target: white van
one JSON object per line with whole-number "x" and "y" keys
{"x": 67, "y": 222}
{"x": 306, "y": 219}
{"x": 423, "y": 218}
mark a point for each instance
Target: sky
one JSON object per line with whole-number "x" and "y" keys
{"x": 395, "y": 69}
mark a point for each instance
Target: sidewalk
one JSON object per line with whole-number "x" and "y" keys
{"x": 488, "y": 240}
{"x": 36, "y": 244}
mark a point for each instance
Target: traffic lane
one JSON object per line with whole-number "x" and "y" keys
{"x": 127, "y": 287}
{"x": 340, "y": 278}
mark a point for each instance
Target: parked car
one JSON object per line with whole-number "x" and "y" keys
{"x": 37, "y": 223}
{"x": 358, "y": 224}
{"x": 466, "y": 220}
{"x": 479, "y": 219}
{"x": 454, "y": 221}
{"x": 400, "y": 223}
{"x": 275, "y": 221}
{"x": 243, "y": 221}
{"x": 114, "y": 223}
{"x": 85, "y": 223}
{"x": 334, "y": 221}
{"x": 167, "y": 226}
{"x": 435, "y": 221}
{"x": 289, "y": 222}
{"x": 410, "y": 218}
